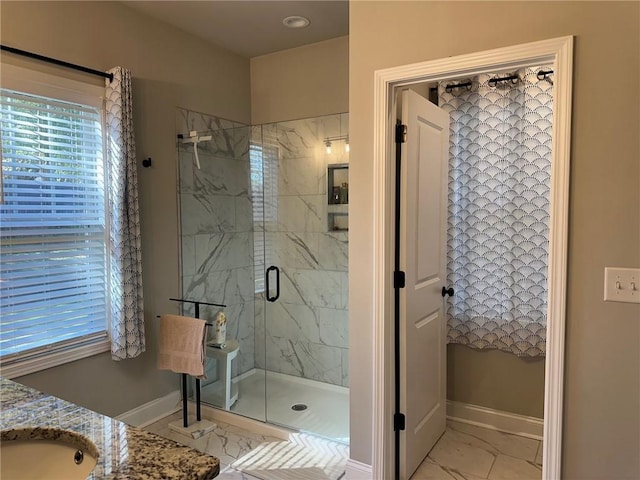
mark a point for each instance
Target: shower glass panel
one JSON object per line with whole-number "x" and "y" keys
{"x": 217, "y": 250}
{"x": 264, "y": 230}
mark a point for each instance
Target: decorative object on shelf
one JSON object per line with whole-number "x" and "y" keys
{"x": 344, "y": 193}
{"x": 220, "y": 331}
{"x": 335, "y": 196}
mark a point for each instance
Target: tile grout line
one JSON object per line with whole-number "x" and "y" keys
{"x": 495, "y": 458}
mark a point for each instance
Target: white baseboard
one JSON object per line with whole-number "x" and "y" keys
{"x": 522, "y": 425}
{"x": 152, "y": 411}
{"x": 358, "y": 471}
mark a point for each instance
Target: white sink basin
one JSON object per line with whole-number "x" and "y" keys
{"x": 51, "y": 453}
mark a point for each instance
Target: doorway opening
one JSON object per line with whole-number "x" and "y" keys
{"x": 556, "y": 53}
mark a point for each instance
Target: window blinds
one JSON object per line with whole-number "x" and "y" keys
{"x": 264, "y": 201}
{"x": 53, "y": 259}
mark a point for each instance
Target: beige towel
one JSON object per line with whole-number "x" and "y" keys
{"x": 181, "y": 346}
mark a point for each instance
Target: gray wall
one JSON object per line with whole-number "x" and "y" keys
{"x": 602, "y": 388}
{"x": 170, "y": 68}
{"x": 496, "y": 379}
{"x": 302, "y": 82}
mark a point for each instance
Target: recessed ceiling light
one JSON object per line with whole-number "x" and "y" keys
{"x": 296, "y": 21}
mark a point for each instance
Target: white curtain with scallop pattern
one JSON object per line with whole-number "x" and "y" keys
{"x": 126, "y": 301}
{"x": 498, "y": 219}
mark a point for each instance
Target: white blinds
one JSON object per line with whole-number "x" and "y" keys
{"x": 52, "y": 225}
{"x": 264, "y": 196}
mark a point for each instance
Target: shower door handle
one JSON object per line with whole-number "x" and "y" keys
{"x": 277, "y": 295}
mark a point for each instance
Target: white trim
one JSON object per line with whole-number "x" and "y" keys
{"x": 256, "y": 426}
{"x": 34, "y": 82}
{"x": 530, "y": 427}
{"x": 152, "y": 411}
{"x": 358, "y": 471}
{"x": 559, "y": 52}
{"x": 247, "y": 374}
{"x": 49, "y": 360}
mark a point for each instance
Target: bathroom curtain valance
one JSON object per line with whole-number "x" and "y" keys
{"x": 498, "y": 218}
{"x": 127, "y": 318}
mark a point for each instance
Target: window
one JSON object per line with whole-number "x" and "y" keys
{"x": 264, "y": 195}
{"x": 53, "y": 222}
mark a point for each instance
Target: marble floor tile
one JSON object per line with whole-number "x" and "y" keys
{"x": 510, "y": 468}
{"x": 452, "y": 453}
{"x": 228, "y": 473}
{"x": 227, "y": 442}
{"x": 467, "y": 452}
{"x": 495, "y": 442}
{"x": 432, "y": 471}
{"x": 230, "y": 443}
{"x": 538, "y": 460}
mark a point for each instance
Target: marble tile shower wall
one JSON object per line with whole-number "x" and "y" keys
{"x": 217, "y": 226}
{"x": 306, "y": 329}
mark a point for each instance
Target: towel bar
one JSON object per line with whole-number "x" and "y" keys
{"x": 185, "y": 419}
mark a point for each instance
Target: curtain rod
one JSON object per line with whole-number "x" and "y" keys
{"x": 55, "y": 61}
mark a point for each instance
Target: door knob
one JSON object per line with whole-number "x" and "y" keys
{"x": 447, "y": 291}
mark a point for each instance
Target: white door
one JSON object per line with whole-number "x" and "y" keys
{"x": 422, "y": 258}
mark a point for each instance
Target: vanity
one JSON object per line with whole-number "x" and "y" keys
{"x": 123, "y": 452}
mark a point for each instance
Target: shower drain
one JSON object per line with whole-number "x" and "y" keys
{"x": 298, "y": 407}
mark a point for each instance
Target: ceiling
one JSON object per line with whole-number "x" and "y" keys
{"x": 252, "y": 28}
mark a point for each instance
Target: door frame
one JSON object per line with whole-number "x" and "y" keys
{"x": 559, "y": 53}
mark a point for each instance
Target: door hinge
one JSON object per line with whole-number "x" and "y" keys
{"x": 398, "y": 279}
{"x": 398, "y": 421}
{"x": 401, "y": 133}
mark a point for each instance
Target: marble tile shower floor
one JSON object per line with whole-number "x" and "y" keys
{"x": 467, "y": 452}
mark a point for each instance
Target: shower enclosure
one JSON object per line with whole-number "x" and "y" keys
{"x": 264, "y": 230}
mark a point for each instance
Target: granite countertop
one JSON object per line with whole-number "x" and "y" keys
{"x": 125, "y": 452}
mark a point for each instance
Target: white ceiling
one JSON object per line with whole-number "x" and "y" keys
{"x": 252, "y": 28}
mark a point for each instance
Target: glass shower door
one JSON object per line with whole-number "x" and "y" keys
{"x": 306, "y": 247}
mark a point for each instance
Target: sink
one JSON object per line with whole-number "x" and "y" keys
{"x": 51, "y": 453}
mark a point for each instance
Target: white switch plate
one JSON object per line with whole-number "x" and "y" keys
{"x": 622, "y": 285}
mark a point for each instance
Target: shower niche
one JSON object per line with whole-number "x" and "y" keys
{"x": 338, "y": 197}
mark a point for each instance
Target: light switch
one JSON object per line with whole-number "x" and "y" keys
{"x": 622, "y": 285}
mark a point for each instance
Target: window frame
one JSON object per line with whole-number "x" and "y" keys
{"x": 60, "y": 88}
